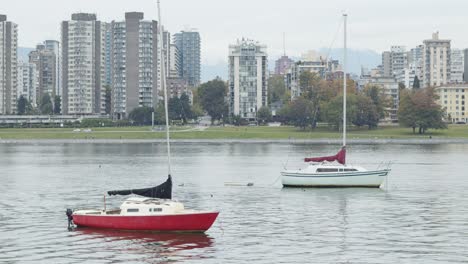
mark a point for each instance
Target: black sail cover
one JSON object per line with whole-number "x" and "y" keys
{"x": 163, "y": 191}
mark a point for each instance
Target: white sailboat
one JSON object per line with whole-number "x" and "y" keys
{"x": 333, "y": 171}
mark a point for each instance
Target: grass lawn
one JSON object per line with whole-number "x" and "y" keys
{"x": 454, "y": 131}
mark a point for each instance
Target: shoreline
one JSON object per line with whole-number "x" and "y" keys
{"x": 322, "y": 141}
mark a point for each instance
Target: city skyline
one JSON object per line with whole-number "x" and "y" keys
{"x": 313, "y": 27}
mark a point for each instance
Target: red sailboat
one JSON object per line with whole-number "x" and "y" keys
{"x": 154, "y": 210}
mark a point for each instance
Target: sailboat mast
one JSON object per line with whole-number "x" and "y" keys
{"x": 345, "y": 17}
{"x": 163, "y": 84}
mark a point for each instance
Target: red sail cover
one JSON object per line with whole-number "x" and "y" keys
{"x": 340, "y": 157}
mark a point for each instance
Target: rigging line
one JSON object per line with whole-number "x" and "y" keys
{"x": 334, "y": 39}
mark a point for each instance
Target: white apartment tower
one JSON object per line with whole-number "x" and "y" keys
{"x": 248, "y": 69}
{"x": 436, "y": 61}
{"x": 134, "y": 60}
{"x": 8, "y": 65}
{"x": 28, "y": 81}
{"x": 83, "y": 65}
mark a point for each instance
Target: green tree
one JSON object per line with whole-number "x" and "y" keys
{"x": 418, "y": 109}
{"x": 22, "y": 104}
{"x": 264, "y": 114}
{"x": 429, "y": 114}
{"x": 212, "y": 98}
{"x": 366, "y": 112}
{"x": 180, "y": 109}
{"x": 108, "y": 99}
{"x": 416, "y": 84}
{"x": 378, "y": 97}
{"x": 276, "y": 88}
{"x": 299, "y": 113}
{"x": 45, "y": 106}
{"x": 407, "y": 110}
{"x": 333, "y": 111}
{"x": 57, "y": 105}
{"x": 141, "y": 115}
{"x": 185, "y": 107}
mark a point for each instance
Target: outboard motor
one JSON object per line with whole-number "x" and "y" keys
{"x": 69, "y": 214}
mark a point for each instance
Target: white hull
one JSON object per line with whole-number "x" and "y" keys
{"x": 298, "y": 178}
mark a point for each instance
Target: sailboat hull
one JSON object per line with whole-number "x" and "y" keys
{"x": 190, "y": 222}
{"x": 369, "y": 179}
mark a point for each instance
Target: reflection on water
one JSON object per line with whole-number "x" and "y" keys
{"x": 421, "y": 218}
{"x": 174, "y": 246}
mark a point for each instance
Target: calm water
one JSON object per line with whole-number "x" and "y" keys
{"x": 422, "y": 218}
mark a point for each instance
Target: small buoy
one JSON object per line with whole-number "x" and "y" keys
{"x": 211, "y": 195}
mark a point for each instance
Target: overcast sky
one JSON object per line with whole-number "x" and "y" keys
{"x": 308, "y": 24}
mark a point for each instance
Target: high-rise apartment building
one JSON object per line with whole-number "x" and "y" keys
{"x": 188, "y": 45}
{"x": 456, "y": 66}
{"x": 54, "y": 46}
{"x": 248, "y": 70}
{"x": 28, "y": 82}
{"x": 283, "y": 64}
{"x": 436, "y": 61}
{"x": 83, "y": 65}
{"x": 45, "y": 61}
{"x": 174, "y": 62}
{"x": 398, "y": 62}
{"x": 134, "y": 64}
{"x": 386, "y": 64}
{"x": 8, "y": 65}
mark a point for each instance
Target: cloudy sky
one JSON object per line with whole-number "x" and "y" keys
{"x": 308, "y": 24}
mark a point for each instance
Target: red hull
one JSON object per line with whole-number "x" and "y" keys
{"x": 194, "y": 222}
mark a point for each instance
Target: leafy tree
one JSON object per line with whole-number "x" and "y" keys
{"x": 180, "y": 109}
{"x": 264, "y": 114}
{"x": 366, "y": 112}
{"x": 378, "y": 97}
{"x": 416, "y": 84}
{"x": 185, "y": 107}
{"x": 57, "y": 105}
{"x": 276, "y": 88}
{"x": 407, "y": 110}
{"x": 212, "y": 98}
{"x": 141, "y": 115}
{"x": 22, "y": 104}
{"x": 160, "y": 114}
{"x": 333, "y": 111}
{"x": 108, "y": 99}
{"x": 45, "y": 106}
{"x": 418, "y": 109}
{"x": 196, "y": 110}
{"x": 429, "y": 113}
{"x": 299, "y": 112}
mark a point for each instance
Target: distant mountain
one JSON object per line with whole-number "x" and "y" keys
{"x": 357, "y": 58}
{"x": 23, "y": 53}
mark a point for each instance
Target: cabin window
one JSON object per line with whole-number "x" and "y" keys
{"x": 350, "y": 170}
{"x": 327, "y": 170}
{"x": 157, "y": 209}
{"x": 133, "y": 210}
